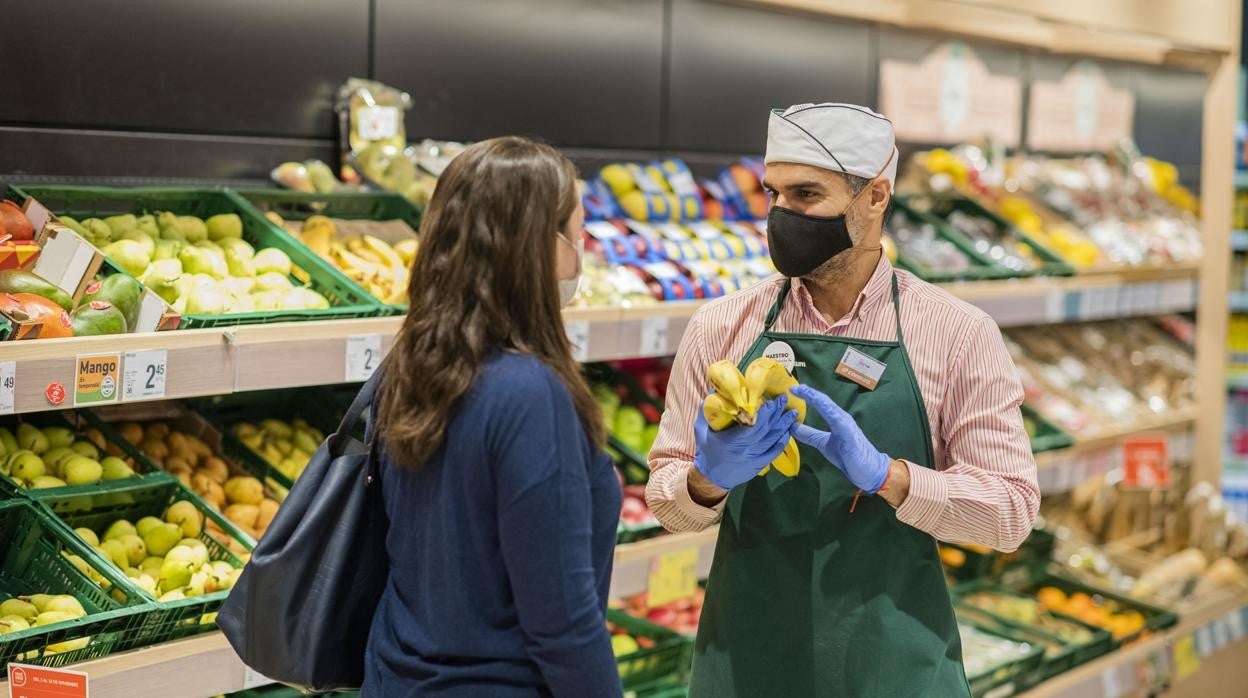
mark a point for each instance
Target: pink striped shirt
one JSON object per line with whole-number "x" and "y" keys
{"x": 983, "y": 489}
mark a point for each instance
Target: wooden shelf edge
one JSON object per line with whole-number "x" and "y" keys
{"x": 1184, "y": 420}
{"x": 660, "y": 545}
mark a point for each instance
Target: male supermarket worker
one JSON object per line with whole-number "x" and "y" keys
{"x": 829, "y": 583}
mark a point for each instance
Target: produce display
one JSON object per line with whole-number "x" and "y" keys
{"x": 287, "y": 446}
{"x": 37, "y": 610}
{"x": 163, "y": 555}
{"x": 55, "y": 456}
{"x": 1029, "y": 612}
{"x": 382, "y": 269}
{"x": 681, "y": 616}
{"x": 921, "y": 244}
{"x": 984, "y": 652}
{"x": 222, "y": 485}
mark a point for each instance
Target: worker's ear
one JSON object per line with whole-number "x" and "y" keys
{"x": 879, "y": 194}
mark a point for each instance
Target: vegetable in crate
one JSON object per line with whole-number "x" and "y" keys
{"x": 54, "y": 457}
{"x": 921, "y": 245}
{"x": 164, "y": 556}
{"x": 997, "y": 244}
{"x": 285, "y": 446}
{"x": 199, "y": 267}
{"x": 20, "y": 613}
{"x": 241, "y": 499}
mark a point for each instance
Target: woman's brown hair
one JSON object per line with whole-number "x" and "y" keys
{"x": 483, "y": 281}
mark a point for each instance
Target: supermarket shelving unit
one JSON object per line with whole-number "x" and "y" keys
{"x": 224, "y": 360}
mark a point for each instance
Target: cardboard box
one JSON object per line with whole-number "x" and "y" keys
{"x": 70, "y": 262}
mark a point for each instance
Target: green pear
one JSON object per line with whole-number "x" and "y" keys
{"x": 31, "y": 438}
{"x": 50, "y": 617}
{"x": 58, "y": 436}
{"x": 89, "y": 536}
{"x": 121, "y": 223}
{"x": 81, "y": 470}
{"x": 240, "y": 266}
{"x": 66, "y": 604}
{"x": 136, "y": 550}
{"x": 46, "y": 482}
{"x": 193, "y": 229}
{"x": 224, "y": 225}
{"x": 273, "y": 282}
{"x": 85, "y": 448}
{"x": 114, "y": 468}
{"x": 81, "y": 565}
{"x": 147, "y": 224}
{"x": 119, "y": 528}
{"x": 174, "y": 574}
{"x": 53, "y": 458}
{"x": 161, "y": 539}
{"x": 26, "y": 465}
{"x": 272, "y": 260}
{"x": 9, "y": 440}
{"x": 19, "y": 608}
{"x": 129, "y": 255}
{"x": 13, "y": 624}
{"x": 195, "y": 587}
{"x": 40, "y": 601}
{"x": 233, "y": 247}
{"x": 174, "y": 595}
{"x": 151, "y": 563}
{"x": 167, "y": 249}
{"x": 145, "y": 241}
{"x": 147, "y": 523}
{"x": 100, "y": 232}
{"x": 146, "y": 582}
{"x": 186, "y": 515}
{"x": 115, "y": 552}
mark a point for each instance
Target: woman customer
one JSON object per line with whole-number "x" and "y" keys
{"x": 502, "y": 504}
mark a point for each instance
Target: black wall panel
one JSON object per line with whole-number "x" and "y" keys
{"x": 580, "y": 73}
{"x": 731, "y": 64}
{"x": 1169, "y": 108}
{"x": 254, "y": 67}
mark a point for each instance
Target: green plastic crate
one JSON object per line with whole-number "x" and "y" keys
{"x": 669, "y": 660}
{"x": 33, "y": 563}
{"x": 1005, "y": 678}
{"x": 369, "y": 206}
{"x": 1048, "y": 262}
{"x": 347, "y": 300}
{"x": 1048, "y": 436}
{"x": 1013, "y": 569}
{"x": 1100, "y": 642}
{"x": 982, "y": 267}
{"x": 169, "y": 620}
{"x": 1155, "y": 619}
{"x": 79, "y": 420}
{"x": 1060, "y": 659}
{"x": 320, "y": 406}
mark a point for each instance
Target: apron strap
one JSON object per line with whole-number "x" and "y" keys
{"x": 897, "y": 309}
{"x": 775, "y": 307}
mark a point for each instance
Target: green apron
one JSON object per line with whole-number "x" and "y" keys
{"x": 807, "y": 599}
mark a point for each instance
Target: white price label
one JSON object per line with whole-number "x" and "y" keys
{"x": 601, "y": 230}
{"x": 363, "y": 356}
{"x": 8, "y": 386}
{"x": 254, "y": 679}
{"x": 378, "y": 123}
{"x": 578, "y": 336}
{"x": 654, "y": 336}
{"x": 143, "y": 375}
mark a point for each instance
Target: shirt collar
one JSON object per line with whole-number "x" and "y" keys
{"x": 878, "y": 289}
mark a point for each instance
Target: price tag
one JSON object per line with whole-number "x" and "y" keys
{"x": 96, "y": 379}
{"x": 1146, "y": 461}
{"x": 654, "y": 336}
{"x": 706, "y": 231}
{"x": 578, "y": 336}
{"x": 8, "y": 386}
{"x": 363, "y": 356}
{"x": 1186, "y": 660}
{"x": 673, "y": 576}
{"x": 601, "y": 230}
{"x": 377, "y": 123}
{"x": 672, "y": 232}
{"x": 26, "y": 681}
{"x": 1235, "y": 624}
{"x": 143, "y": 376}
{"x": 254, "y": 679}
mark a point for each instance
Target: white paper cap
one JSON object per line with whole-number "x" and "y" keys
{"x": 839, "y": 137}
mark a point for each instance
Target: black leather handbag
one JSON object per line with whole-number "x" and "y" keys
{"x": 300, "y": 613}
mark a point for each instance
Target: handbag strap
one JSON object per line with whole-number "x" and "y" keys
{"x": 362, "y": 402}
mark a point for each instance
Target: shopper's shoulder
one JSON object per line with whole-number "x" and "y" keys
{"x": 929, "y": 298}
{"x": 509, "y": 373}
{"x": 728, "y": 312}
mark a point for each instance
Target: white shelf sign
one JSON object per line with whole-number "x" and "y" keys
{"x": 378, "y": 123}
{"x": 363, "y": 356}
{"x": 254, "y": 679}
{"x": 8, "y": 386}
{"x": 654, "y": 336}
{"x": 143, "y": 375}
{"x": 578, "y": 336}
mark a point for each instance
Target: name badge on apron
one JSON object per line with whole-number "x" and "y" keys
{"x": 860, "y": 368}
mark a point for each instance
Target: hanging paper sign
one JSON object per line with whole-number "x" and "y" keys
{"x": 950, "y": 97}
{"x": 1082, "y": 112}
{"x": 1146, "y": 461}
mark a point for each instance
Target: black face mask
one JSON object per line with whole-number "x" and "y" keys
{"x": 800, "y": 244}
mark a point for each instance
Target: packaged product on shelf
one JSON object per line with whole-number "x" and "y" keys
{"x": 371, "y": 114}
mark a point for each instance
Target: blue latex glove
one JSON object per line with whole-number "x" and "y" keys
{"x": 731, "y": 457}
{"x": 843, "y": 444}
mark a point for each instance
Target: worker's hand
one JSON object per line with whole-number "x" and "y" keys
{"x": 844, "y": 444}
{"x": 731, "y": 457}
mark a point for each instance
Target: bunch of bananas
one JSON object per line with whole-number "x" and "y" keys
{"x": 369, "y": 261}
{"x": 737, "y": 398}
